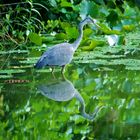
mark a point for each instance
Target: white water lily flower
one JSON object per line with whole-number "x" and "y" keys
{"x": 112, "y": 39}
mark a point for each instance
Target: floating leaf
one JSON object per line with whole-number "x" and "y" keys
{"x": 134, "y": 68}
{"x": 14, "y": 51}
{"x": 5, "y": 76}
{"x": 47, "y": 70}
{"x": 93, "y": 44}
{"x": 30, "y": 60}
{"x": 9, "y": 71}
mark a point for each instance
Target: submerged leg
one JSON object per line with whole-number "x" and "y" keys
{"x": 63, "y": 77}
{"x": 63, "y": 69}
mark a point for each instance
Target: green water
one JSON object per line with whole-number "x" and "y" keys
{"x": 28, "y": 113}
{"x": 97, "y": 98}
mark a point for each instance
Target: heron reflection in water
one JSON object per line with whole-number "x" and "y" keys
{"x": 63, "y": 90}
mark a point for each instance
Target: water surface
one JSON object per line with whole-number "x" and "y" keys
{"x": 90, "y": 102}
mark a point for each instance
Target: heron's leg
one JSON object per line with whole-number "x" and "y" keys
{"x": 63, "y": 76}
{"x": 53, "y": 75}
{"x": 52, "y": 71}
{"x": 63, "y": 69}
{"x": 52, "y": 67}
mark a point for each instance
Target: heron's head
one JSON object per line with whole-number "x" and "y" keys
{"x": 88, "y": 20}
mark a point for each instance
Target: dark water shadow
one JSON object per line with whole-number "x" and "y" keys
{"x": 63, "y": 90}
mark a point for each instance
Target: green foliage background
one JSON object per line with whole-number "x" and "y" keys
{"x": 24, "y": 21}
{"x": 103, "y": 75}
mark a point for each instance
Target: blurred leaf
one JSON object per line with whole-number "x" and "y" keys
{"x": 103, "y": 11}
{"x": 47, "y": 39}
{"x": 66, "y": 4}
{"x": 14, "y": 51}
{"x": 131, "y": 104}
{"x": 34, "y": 10}
{"x": 128, "y": 27}
{"x": 107, "y": 30}
{"x": 87, "y": 32}
{"x": 72, "y": 32}
{"x": 127, "y": 86}
{"x": 122, "y": 40}
{"x": 9, "y": 71}
{"x": 35, "y": 38}
{"x": 129, "y": 11}
{"x": 93, "y": 44}
{"x": 75, "y": 75}
{"x": 112, "y": 17}
{"x": 61, "y": 36}
{"x": 65, "y": 25}
{"x": 88, "y": 8}
{"x": 5, "y": 76}
{"x": 53, "y": 3}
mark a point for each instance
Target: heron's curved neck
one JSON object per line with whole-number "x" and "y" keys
{"x": 82, "y": 108}
{"x": 78, "y": 40}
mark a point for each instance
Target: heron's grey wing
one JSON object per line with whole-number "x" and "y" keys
{"x": 60, "y": 91}
{"x": 60, "y": 54}
{"x": 43, "y": 61}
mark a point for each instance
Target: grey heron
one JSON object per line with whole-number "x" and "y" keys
{"x": 62, "y": 54}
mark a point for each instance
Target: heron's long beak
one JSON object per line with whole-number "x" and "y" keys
{"x": 97, "y": 25}
{"x": 95, "y": 22}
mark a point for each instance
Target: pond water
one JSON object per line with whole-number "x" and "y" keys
{"x": 97, "y": 98}
{"x": 85, "y": 104}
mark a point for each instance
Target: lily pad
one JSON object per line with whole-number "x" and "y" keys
{"x": 48, "y": 70}
{"x": 14, "y": 51}
{"x": 5, "y": 76}
{"x": 133, "y": 68}
{"x": 9, "y": 71}
{"x": 21, "y": 67}
{"x": 30, "y": 60}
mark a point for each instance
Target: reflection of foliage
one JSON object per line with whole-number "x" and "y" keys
{"x": 1, "y": 105}
{"x": 40, "y": 117}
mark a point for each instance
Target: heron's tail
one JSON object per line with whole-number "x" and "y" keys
{"x": 39, "y": 64}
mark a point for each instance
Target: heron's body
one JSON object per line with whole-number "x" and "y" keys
{"x": 58, "y": 55}
{"x": 62, "y": 54}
